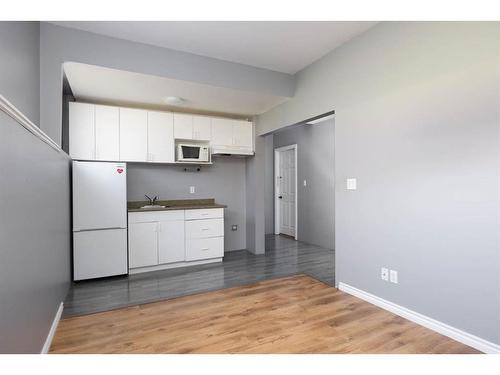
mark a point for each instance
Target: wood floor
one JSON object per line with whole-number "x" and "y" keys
{"x": 295, "y": 314}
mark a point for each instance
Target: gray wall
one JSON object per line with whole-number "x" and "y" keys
{"x": 316, "y": 165}
{"x": 269, "y": 184}
{"x": 20, "y": 66}
{"x": 418, "y": 124}
{"x": 224, "y": 181}
{"x": 255, "y": 193}
{"x": 34, "y": 206}
{"x": 60, "y": 44}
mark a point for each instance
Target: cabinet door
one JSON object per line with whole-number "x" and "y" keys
{"x": 243, "y": 134}
{"x": 161, "y": 137}
{"x": 171, "y": 241}
{"x": 82, "y": 131}
{"x": 202, "y": 128}
{"x": 133, "y": 134}
{"x": 107, "y": 133}
{"x": 183, "y": 126}
{"x": 143, "y": 244}
{"x": 222, "y": 132}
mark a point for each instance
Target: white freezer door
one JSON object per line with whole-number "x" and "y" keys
{"x": 99, "y": 195}
{"x": 99, "y": 253}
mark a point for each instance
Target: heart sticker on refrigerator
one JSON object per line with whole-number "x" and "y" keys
{"x": 119, "y": 170}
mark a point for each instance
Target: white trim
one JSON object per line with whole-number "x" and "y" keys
{"x": 21, "y": 119}
{"x": 276, "y": 193}
{"x": 53, "y": 328}
{"x": 159, "y": 267}
{"x": 435, "y": 325}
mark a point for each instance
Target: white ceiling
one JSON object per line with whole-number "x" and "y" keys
{"x": 283, "y": 46}
{"x": 103, "y": 85}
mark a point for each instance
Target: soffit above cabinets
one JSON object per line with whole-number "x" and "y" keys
{"x": 282, "y": 46}
{"x": 90, "y": 83}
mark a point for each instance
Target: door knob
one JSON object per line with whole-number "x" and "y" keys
{"x": 280, "y": 197}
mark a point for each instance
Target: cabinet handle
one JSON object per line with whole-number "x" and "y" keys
{"x": 205, "y": 228}
{"x": 205, "y": 249}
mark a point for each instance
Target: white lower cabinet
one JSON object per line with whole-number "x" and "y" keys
{"x": 203, "y": 248}
{"x": 142, "y": 244}
{"x": 163, "y": 239}
{"x": 171, "y": 241}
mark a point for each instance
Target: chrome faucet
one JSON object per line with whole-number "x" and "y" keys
{"x": 152, "y": 201}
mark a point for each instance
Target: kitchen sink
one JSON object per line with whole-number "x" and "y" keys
{"x": 152, "y": 206}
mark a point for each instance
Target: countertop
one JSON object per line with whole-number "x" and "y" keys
{"x": 172, "y": 205}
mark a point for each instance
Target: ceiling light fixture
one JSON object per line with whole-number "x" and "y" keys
{"x": 174, "y": 100}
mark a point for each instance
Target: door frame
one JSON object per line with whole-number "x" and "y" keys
{"x": 276, "y": 184}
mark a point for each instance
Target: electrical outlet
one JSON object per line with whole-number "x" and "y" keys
{"x": 394, "y": 276}
{"x": 191, "y": 189}
{"x": 305, "y": 182}
{"x": 384, "y": 274}
{"x": 234, "y": 227}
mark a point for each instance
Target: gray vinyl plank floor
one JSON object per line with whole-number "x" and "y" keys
{"x": 283, "y": 257}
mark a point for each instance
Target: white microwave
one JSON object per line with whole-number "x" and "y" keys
{"x": 192, "y": 152}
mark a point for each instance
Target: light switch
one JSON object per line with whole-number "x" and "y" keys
{"x": 191, "y": 190}
{"x": 393, "y": 276}
{"x": 351, "y": 184}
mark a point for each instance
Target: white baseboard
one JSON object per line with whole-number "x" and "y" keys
{"x": 52, "y": 331}
{"x": 435, "y": 325}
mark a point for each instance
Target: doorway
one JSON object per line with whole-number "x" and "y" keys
{"x": 285, "y": 177}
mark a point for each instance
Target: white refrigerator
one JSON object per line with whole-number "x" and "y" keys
{"x": 99, "y": 219}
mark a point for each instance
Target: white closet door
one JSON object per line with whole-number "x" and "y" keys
{"x": 107, "y": 133}
{"x": 161, "y": 146}
{"x": 202, "y": 128}
{"x": 82, "y": 131}
{"x": 183, "y": 126}
{"x": 133, "y": 134}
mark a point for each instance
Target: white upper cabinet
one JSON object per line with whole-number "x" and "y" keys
{"x": 222, "y": 132}
{"x": 161, "y": 146}
{"x": 202, "y": 128}
{"x": 100, "y": 132}
{"x": 82, "y": 131}
{"x": 183, "y": 126}
{"x": 107, "y": 133}
{"x": 232, "y": 135}
{"x": 133, "y": 134}
{"x": 243, "y": 134}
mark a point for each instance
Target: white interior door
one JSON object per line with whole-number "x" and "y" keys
{"x": 285, "y": 190}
